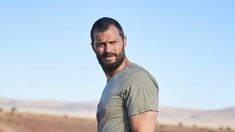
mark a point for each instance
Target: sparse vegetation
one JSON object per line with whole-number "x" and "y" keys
{"x": 180, "y": 124}
{"x": 24, "y": 122}
{"x": 194, "y": 126}
{"x": 13, "y": 111}
{"x": 65, "y": 116}
{"x": 228, "y": 128}
{"x": 210, "y": 130}
{"x": 61, "y": 123}
{"x": 1, "y": 109}
{"x": 162, "y": 126}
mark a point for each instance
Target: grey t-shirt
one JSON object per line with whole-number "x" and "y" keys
{"x": 129, "y": 92}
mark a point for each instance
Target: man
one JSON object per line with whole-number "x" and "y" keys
{"x": 129, "y": 102}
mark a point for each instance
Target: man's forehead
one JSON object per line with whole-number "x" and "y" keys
{"x": 110, "y": 28}
{"x": 106, "y": 38}
{"x": 109, "y": 33}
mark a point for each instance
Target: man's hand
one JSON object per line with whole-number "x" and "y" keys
{"x": 144, "y": 122}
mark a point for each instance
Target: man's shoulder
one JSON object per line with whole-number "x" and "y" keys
{"x": 138, "y": 72}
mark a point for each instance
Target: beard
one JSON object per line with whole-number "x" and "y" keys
{"x": 108, "y": 66}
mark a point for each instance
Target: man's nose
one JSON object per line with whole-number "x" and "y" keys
{"x": 107, "y": 47}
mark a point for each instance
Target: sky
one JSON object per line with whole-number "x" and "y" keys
{"x": 187, "y": 45}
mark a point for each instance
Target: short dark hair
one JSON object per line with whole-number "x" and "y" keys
{"x": 103, "y": 24}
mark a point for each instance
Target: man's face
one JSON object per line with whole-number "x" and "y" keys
{"x": 109, "y": 48}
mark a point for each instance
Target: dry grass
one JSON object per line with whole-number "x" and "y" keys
{"x": 26, "y": 122}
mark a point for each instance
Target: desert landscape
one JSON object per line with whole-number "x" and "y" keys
{"x": 53, "y": 116}
{"x": 12, "y": 121}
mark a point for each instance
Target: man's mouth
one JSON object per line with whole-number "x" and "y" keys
{"x": 109, "y": 58}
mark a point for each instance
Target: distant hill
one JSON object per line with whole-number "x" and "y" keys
{"x": 85, "y": 109}
{"x": 214, "y": 118}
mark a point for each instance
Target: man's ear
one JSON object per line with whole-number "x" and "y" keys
{"x": 125, "y": 41}
{"x": 92, "y": 45}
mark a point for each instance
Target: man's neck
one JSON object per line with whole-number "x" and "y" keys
{"x": 124, "y": 64}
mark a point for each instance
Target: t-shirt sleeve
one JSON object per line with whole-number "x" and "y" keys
{"x": 142, "y": 94}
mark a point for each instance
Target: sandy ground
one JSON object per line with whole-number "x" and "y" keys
{"x": 43, "y": 123}
{"x": 27, "y": 122}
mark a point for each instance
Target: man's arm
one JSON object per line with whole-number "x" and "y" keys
{"x": 144, "y": 122}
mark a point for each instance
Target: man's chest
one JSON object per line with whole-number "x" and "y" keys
{"x": 112, "y": 103}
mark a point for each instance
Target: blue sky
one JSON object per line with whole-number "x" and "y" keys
{"x": 188, "y": 46}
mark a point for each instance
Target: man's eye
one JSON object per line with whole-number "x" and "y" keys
{"x": 113, "y": 42}
{"x": 100, "y": 44}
